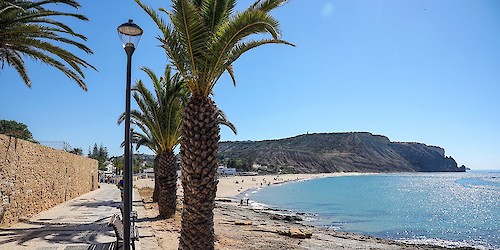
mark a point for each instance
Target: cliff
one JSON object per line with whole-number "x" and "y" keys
{"x": 335, "y": 152}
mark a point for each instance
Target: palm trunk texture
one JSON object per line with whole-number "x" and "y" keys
{"x": 156, "y": 191}
{"x": 199, "y": 145}
{"x": 167, "y": 184}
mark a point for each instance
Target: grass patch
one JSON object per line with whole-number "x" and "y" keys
{"x": 146, "y": 192}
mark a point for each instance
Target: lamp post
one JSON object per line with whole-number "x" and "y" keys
{"x": 130, "y": 34}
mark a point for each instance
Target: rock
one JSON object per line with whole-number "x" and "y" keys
{"x": 286, "y": 217}
{"x": 243, "y": 223}
{"x": 300, "y": 233}
{"x": 296, "y": 233}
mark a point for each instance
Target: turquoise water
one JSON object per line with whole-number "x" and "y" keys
{"x": 455, "y": 208}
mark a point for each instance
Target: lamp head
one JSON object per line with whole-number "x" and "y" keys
{"x": 130, "y": 34}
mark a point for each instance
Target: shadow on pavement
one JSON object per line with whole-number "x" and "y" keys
{"x": 65, "y": 234}
{"x": 94, "y": 203}
{"x": 77, "y": 224}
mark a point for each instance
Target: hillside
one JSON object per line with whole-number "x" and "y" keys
{"x": 335, "y": 152}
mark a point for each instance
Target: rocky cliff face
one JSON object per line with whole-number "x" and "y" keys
{"x": 334, "y": 152}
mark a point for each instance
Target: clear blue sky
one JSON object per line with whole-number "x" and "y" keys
{"x": 425, "y": 71}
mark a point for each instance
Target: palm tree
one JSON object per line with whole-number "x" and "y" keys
{"x": 159, "y": 117}
{"x": 27, "y": 29}
{"x": 203, "y": 39}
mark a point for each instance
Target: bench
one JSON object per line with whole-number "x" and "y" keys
{"x": 117, "y": 224}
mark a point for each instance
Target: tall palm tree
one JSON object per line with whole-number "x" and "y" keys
{"x": 159, "y": 117}
{"x": 203, "y": 39}
{"x": 28, "y": 30}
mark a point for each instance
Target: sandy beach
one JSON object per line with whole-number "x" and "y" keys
{"x": 244, "y": 227}
{"x": 233, "y": 185}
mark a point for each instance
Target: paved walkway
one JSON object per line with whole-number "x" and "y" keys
{"x": 77, "y": 224}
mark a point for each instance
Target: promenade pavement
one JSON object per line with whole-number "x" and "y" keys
{"x": 80, "y": 223}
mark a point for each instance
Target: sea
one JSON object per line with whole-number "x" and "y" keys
{"x": 447, "y": 209}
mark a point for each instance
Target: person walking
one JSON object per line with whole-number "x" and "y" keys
{"x": 120, "y": 186}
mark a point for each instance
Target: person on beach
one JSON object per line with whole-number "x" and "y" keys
{"x": 120, "y": 186}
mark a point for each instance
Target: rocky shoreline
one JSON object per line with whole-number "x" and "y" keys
{"x": 274, "y": 229}
{"x": 243, "y": 227}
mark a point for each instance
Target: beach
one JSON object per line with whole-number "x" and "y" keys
{"x": 244, "y": 227}
{"x": 232, "y": 186}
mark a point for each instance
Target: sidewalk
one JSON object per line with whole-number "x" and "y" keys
{"x": 77, "y": 224}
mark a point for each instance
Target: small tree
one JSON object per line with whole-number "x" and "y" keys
{"x": 159, "y": 119}
{"x": 77, "y": 151}
{"x": 16, "y": 129}
{"x": 100, "y": 154}
{"x": 118, "y": 163}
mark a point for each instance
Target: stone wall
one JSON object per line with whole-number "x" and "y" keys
{"x": 34, "y": 178}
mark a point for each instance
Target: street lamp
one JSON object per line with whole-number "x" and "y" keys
{"x": 130, "y": 34}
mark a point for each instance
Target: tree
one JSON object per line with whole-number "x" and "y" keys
{"x": 100, "y": 154}
{"x": 103, "y": 152}
{"x": 16, "y": 129}
{"x": 95, "y": 152}
{"x": 159, "y": 119}
{"x": 28, "y": 30}
{"x": 118, "y": 163}
{"x": 241, "y": 164}
{"x": 77, "y": 151}
{"x": 203, "y": 40}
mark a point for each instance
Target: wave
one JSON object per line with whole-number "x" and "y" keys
{"x": 477, "y": 182}
{"x": 448, "y": 243}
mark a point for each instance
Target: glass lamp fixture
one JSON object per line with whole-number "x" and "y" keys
{"x": 130, "y": 33}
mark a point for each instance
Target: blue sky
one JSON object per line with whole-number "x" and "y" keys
{"x": 424, "y": 71}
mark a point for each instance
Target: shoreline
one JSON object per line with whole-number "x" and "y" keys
{"x": 235, "y": 186}
{"x": 246, "y": 227}
{"x": 292, "y": 216}
{"x": 302, "y": 218}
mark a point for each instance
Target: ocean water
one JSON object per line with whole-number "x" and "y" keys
{"x": 452, "y": 209}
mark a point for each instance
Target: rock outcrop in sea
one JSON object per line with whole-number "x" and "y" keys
{"x": 340, "y": 152}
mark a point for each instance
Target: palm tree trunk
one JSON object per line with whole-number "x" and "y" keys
{"x": 167, "y": 183}
{"x": 156, "y": 191}
{"x": 199, "y": 145}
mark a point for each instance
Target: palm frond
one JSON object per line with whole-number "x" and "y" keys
{"x": 215, "y": 12}
{"x": 63, "y": 28}
{"x": 17, "y": 62}
{"x": 223, "y": 120}
{"x": 266, "y": 5}
{"x": 71, "y": 3}
{"x": 33, "y": 15}
{"x": 29, "y": 28}
{"x": 192, "y": 33}
{"x": 37, "y": 55}
{"x": 204, "y": 38}
{"x": 240, "y": 49}
{"x": 170, "y": 40}
{"x": 150, "y": 74}
{"x": 154, "y": 16}
{"x": 159, "y": 113}
{"x": 237, "y": 29}
{"x": 230, "y": 71}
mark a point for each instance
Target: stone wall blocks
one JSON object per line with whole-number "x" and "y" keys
{"x": 35, "y": 178}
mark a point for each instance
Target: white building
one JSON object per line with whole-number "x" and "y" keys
{"x": 148, "y": 173}
{"x": 110, "y": 168}
{"x": 221, "y": 170}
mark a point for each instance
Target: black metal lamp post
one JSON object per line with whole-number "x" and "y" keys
{"x": 130, "y": 34}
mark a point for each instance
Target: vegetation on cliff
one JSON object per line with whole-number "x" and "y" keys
{"x": 338, "y": 152}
